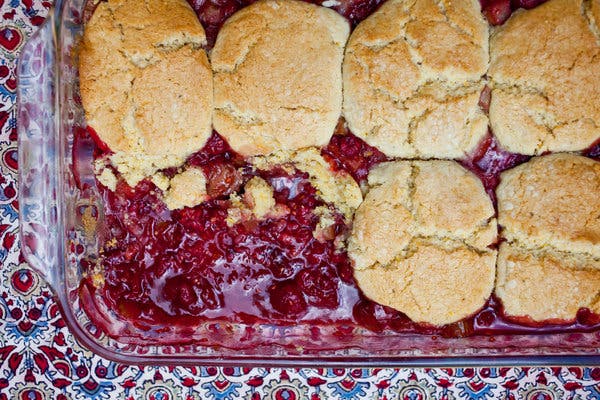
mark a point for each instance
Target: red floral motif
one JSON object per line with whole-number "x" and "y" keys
{"x": 10, "y": 38}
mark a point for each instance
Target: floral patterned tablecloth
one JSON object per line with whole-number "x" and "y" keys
{"x": 39, "y": 359}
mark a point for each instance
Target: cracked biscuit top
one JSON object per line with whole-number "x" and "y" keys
{"x": 546, "y": 285}
{"x": 549, "y": 210}
{"x": 413, "y": 76}
{"x": 545, "y": 70}
{"x": 146, "y": 85}
{"x": 552, "y": 201}
{"x": 420, "y": 240}
{"x": 277, "y": 71}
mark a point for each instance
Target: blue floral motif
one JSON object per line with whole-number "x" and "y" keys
{"x": 7, "y": 210}
{"x": 476, "y": 389}
{"x": 229, "y": 392}
{"x": 352, "y": 392}
{"x": 101, "y": 390}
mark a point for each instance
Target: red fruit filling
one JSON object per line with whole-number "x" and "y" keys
{"x": 498, "y": 11}
{"x": 488, "y": 160}
{"x": 351, "y": 154}
{"x": 181, "y": 268}
{"x": 593, "y": 151}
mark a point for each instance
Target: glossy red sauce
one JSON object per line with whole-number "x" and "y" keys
{"x": 349, "y": 153}
{"x": 593, "y": 151}
{"x": 183, "y": 267}
{"x": 498, "y": 11}
{"x": 489, "y": 160}
{"x": 187, "y": 266}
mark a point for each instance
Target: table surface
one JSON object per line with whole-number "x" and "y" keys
{"x": 39, "y": 359}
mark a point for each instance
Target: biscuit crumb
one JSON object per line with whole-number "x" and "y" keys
{"x": 161, "y": 181}
{"x": 186, "y": 189}
{"x": 258, "y": 196}
{"x": 257, "y": 203}
{"x": 89, "y": 222}
{"x": 324, "y": 230}
{"x": 237, "y": 211}
{"x": 107, "y": 178}
{"x": 337, "y": 188}
{"x": 98, "y": 279}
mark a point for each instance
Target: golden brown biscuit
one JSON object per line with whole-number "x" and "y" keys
{"x": 544, "y": 285}
{"x": 420, "y": 240}
{"x": 549, "y": 211}
{"x": 146, "y": 85}
{"x": 413, "y": 75}
{"x": 545, "y": 70}
{"x": 552, "y": 201}
{"x": 278, "y": 83}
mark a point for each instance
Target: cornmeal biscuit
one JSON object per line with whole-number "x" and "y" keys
{"x": 146, "y": 85}
{"x": 278, "y": 81}
{"x": 549, "y": 210}
{"x": 420, "y": 240}
{"x": 552, "y": 201}
{"x": 413, "y": 76}
{"x": 546, "y": 285}
{"x": 545, "y": 70}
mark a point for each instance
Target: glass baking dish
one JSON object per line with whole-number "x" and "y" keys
{"x": 59, "y": 225}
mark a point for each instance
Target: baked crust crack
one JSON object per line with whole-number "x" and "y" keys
{"x": 303, "y": 108}
{"x": 240, "y": 60}
{"x": 448, "y": 244}
{"x": 518, "y": 88}
{"x": 542, "y": 118}
{"x": 551, "y": 249}
{"x": 459, "y": 29}
{"x": 587, "y": 13}
{"x": 239, "y": 116}
{"x": 414, "y": 172}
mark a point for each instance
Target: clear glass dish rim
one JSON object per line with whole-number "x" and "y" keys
{"x": 57, "y": 280}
